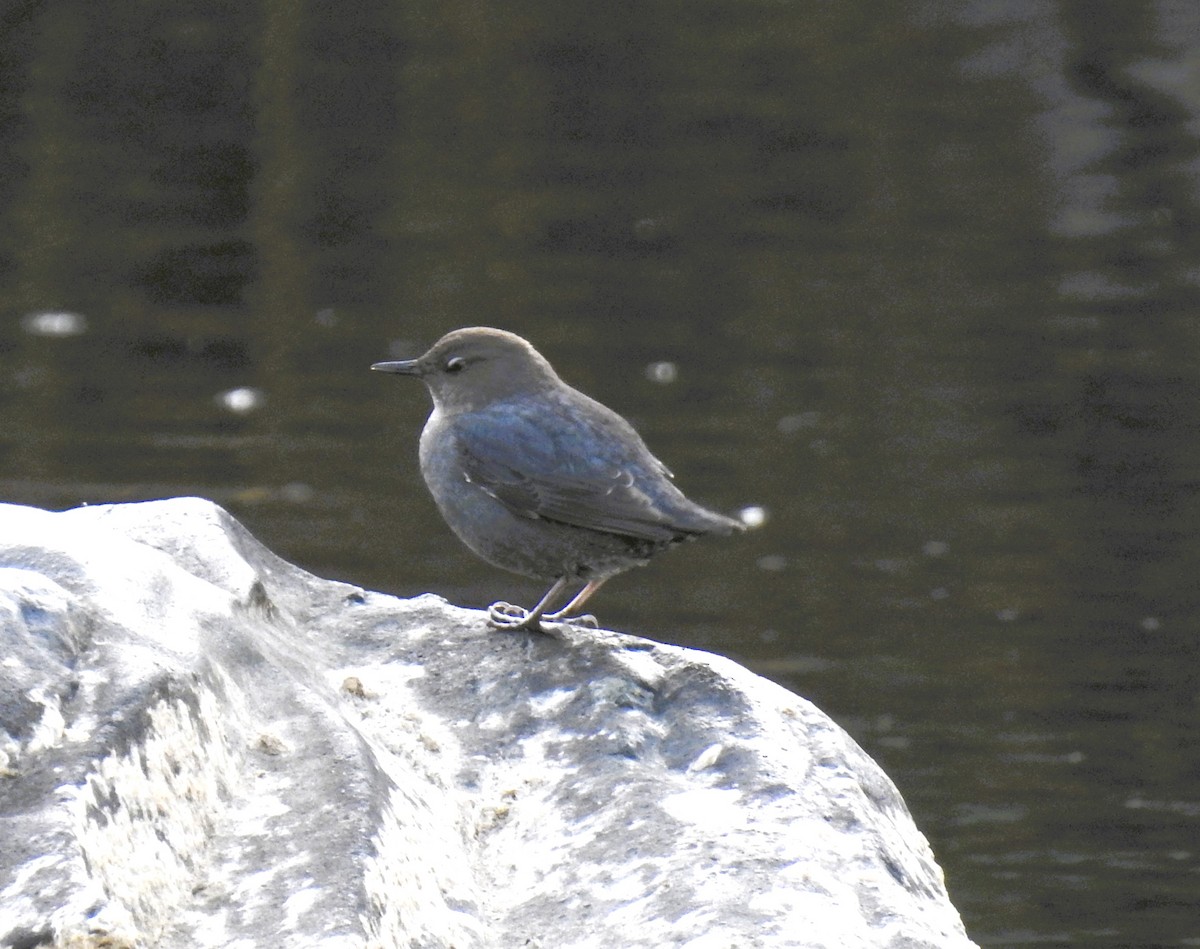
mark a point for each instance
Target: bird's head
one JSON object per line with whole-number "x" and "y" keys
{"x": 472, "y": 368}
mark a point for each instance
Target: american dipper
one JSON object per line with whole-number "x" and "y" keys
{"x": 539, "y": 479}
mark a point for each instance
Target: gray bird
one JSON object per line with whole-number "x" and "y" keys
{"x": 539, "y": 479}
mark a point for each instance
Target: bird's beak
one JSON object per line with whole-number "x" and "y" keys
{"x": 405, "y": 367}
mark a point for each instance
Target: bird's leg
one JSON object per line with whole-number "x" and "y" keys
{"x": 511, "y": 617}
{"x": 581, "y": 597}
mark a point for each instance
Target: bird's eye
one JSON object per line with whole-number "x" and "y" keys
{"x": 456, "y": 364}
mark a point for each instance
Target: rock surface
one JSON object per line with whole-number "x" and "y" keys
{"x": 204, "y": 745}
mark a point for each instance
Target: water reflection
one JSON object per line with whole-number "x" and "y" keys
{"x": 915, "y": 290}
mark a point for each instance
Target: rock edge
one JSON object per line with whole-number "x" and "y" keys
{"x": 204, "y": 745}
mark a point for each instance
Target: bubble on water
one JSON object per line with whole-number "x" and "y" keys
{"x": 58, "y": 323}
{"x": 664, "y": 373}
{"x": 648, "y": 228}
{"x": 790, "y": 424}
{"x": 297, "y": 492}
{"x": 753, "y": 515}
{"x": 242, "y": 399}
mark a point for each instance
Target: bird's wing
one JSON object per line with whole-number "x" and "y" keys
{"x": 571, "y": 466}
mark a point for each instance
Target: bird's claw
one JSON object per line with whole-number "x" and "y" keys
{"x": 509, "y": 616}
{"x": 586, "y": 620}
{"x": 506, "y": 615}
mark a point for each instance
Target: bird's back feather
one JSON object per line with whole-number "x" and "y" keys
{"x": 580, "y": 464}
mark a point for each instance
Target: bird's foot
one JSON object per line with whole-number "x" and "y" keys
{"x": 510, "y": 617}
{"x": 586, "y": 620}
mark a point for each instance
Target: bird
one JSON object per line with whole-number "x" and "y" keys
{"x": 539, "y": 479}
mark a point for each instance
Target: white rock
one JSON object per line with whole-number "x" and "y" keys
{"x": 204, "y": 745}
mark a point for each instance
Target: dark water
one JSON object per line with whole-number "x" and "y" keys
{"x": 927, "y": 275}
